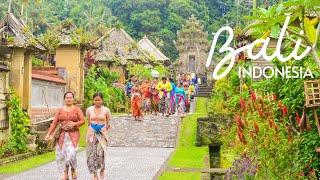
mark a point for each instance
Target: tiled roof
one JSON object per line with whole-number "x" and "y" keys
{"x": 47, "y": 74}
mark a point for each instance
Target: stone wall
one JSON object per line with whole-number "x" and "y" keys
{"x": 199, "y": 58}
{"x": 208, "y": 129}
{"x": 46, "y": 98}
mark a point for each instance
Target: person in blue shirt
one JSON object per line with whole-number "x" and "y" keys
{"x": 128, "y": 88}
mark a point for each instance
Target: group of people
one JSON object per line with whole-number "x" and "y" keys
{"x": 164, "y": 96}
{"x": 147, "y": 97}
{"x": 64, "y": 130}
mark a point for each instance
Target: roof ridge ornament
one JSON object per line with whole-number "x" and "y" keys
{"x": 9, "y": 6}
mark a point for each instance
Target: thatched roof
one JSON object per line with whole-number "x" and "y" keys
{"x": 13, "y": 27}
{"x": 118, "y": 44}
{"x": 65, "y": 33}
{"x": 150, "y": 48}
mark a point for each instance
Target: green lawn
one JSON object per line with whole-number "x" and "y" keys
{"x": 26, "y": 164}
{"x": 187, "y": 154}
{"x": 180, "y": 176}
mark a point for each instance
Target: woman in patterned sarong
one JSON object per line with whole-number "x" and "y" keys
{"x": 136, "y": 99}
{"x": 154, "y": 97}
{"x": 180, "y": 97}
{"x": 98, "y": 117}
{"x": 164, "y": 89}
{"x": 69, "y": 118}
{"x": 145, "y": 90}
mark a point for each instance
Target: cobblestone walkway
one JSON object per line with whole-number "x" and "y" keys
{"x": 154, "y": 131}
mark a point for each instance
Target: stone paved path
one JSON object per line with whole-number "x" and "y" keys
{"x": 137, "y": 150}
{"x": 122, "y": 163}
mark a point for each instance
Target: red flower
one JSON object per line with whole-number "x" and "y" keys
{"x": 256, "y": 127}
{"x": 239, "y": 122}
{"x": 242, "y": 104}
{"x": 261, "y": 114}
{"x": 241, "y": 136}
{"x": 253, "y": 95}
{"x": 298, "y": 118}
{"x": 274, "y": 96}
{"x": 271, "y": 123}
{"x": 284, "y": 110}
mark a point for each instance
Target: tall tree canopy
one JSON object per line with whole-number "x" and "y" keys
{"x": 159, "y": 19}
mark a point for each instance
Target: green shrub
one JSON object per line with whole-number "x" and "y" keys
{"x": 100, "y": 80}
{"x": 19, "y": 120}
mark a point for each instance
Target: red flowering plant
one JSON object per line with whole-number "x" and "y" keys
{"x": 263, "y": 133}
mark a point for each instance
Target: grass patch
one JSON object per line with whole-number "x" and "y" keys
{"x": 27, "y": 164}
{"x": 83, "y": 133}
{"x": 227, "y": 157}
{"x": 187, "y": 154}
{"x": 119, "y": 114}
{"x": 185, "y": 157}
{"x": 180, "y": 176}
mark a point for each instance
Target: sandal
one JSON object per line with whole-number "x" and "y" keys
{"x": 66, "y": 173}
{"x": 102, "y": 174}
{"x": 73, "y": 174}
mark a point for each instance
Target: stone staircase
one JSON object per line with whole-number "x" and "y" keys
{"x": 204, "y": 90}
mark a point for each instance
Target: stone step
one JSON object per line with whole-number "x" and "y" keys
{"x": 31, "y": 139}
{"x": 205, "y": 89}
{"x": 42, "y": 134}
{"x": 43, "y": 126}
{"x": 203, "y": 95}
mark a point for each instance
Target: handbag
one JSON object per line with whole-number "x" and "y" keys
{"x": 56, "y": 135}
{"x": 52, "y": 142}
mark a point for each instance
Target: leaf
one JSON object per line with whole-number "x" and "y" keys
{"x": 275, "y": 31}
{"x": 310, "y": 30}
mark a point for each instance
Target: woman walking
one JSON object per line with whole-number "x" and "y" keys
{"x": 164, "y": 89}
{"x": 154, "y": 98}
{"x": 98, "y": 117}
{"x": 145, "y": 90}
{"x": 180, "y": 97}
{"x": 69, "y": 118}
{"x": 136, "y": 103}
